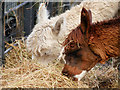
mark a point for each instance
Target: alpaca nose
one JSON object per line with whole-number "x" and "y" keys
{"x": 65, "y": 72}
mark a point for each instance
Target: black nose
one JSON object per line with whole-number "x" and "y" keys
{"x": 65, "y": 72}
{"x": 74, "y": 79}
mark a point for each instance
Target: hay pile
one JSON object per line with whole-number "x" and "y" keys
{"x": 21, "y": 71}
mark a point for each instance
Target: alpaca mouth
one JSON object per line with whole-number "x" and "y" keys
{"x": 76, "y": 77}
{"x": 73, "y": 72}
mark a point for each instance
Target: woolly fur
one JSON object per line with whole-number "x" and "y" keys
{"x": 45, "y": 46}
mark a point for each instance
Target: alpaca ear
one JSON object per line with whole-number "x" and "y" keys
{"x": 42, "y": 14}
{"x": 57, "y": 26}
{"x": 86, "y": 20}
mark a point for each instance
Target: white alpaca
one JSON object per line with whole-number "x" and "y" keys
{"x": 44, "y": 41}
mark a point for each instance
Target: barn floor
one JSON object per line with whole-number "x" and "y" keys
{"x": 22, "y": 72}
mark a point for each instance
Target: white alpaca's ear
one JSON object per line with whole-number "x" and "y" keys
{"x": 59, "y": 23}
{"x": 42, "y": 14}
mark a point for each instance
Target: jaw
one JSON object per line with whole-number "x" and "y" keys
{"x": 73, "y": 72}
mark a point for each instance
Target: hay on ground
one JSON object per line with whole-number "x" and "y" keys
{"x": 21, "y": 71}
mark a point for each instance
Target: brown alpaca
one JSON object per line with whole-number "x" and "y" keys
{"x": 89, "y": 44}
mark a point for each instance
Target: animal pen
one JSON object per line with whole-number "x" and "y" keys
{"x": 14, "y": 23}
{"x": 17, "y": 19}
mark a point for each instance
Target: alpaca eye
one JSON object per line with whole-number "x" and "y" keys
{"x": 72, "y": 45}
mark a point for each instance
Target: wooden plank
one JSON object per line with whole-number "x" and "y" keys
{"x": 2, "y": 61}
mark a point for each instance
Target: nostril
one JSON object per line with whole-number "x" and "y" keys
{"x": 65, "y": 73}
{"x": 74, "y": 79}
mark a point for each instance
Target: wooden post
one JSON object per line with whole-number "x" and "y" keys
{"x": 66, "y": 7}
{"x": 2, "y": 61}
{"x": 29, "y": 17}
{"x": 50, "y": 9}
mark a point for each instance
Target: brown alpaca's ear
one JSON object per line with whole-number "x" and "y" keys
{"x": 86, "y": 21}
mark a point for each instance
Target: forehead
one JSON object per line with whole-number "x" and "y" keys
{"x": 74, "y": 41}
{"x": 43, "y": 36}
{"x": 43, "y": 31}
{"x": 75, "y": 36}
